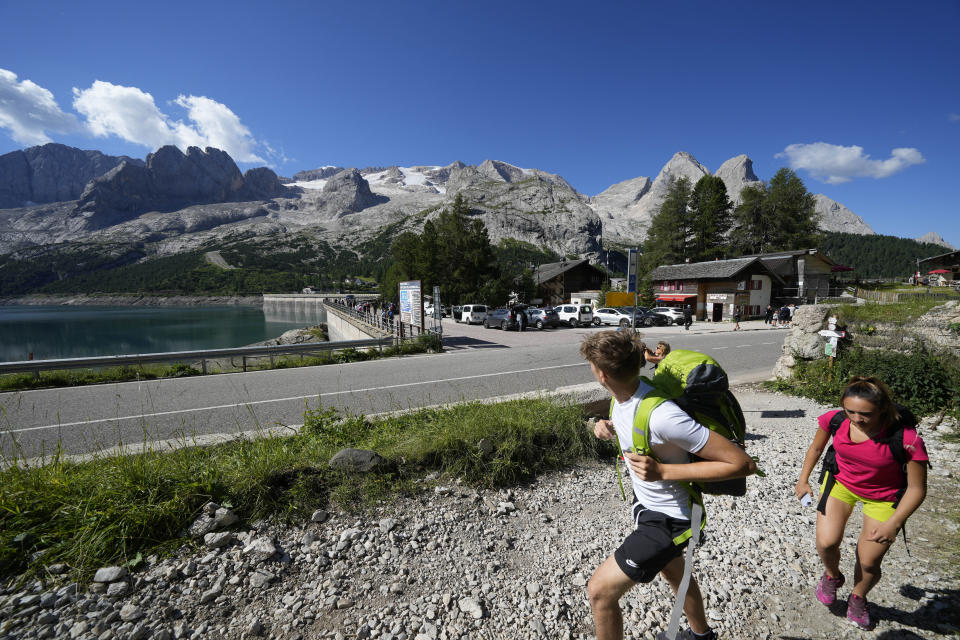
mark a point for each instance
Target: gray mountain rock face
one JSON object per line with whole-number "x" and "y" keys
{"x": 630, "y": 223}
{"x": 347, "y": 192}
{"x": 737, "y": 174}
{"x": 935, "y": 238}
{"x": 170, "y": 180}
{"x": 533, "y": 207}
{"x": 316, "y": 174}
{"x": 836, "y": 217}
{"x": 51, "y": 173}
{"x": 626, "y": 208}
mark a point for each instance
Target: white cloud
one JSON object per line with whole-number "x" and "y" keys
{"x": 835, "y": 164}
{"x": 29, "y": 111}
{"x": 954, "y": 117}
{"x": 132, "y": 114}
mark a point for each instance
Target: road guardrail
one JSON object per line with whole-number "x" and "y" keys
{"x": 36, "y": 366}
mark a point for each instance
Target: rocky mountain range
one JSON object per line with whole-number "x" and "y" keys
{"x": 935, "y": 238}
{"x": 177, "y": 201}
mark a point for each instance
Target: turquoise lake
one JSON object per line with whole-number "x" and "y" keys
{"x": 50, "y": 332}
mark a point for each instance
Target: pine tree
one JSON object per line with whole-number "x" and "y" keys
{"x": 779, "y": 216}
{"x": 668, "y": 235}
{"x": 710, "y": 219}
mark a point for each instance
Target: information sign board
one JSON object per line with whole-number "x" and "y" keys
{"x": 411, "y": 303}
{"x": 632, "y": 271}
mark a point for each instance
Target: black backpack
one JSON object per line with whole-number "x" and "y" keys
{"x": 894, "y": 440}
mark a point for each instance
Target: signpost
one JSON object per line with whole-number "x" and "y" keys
{"x": 833, "y": 337}
{"x": 411, "y": 303}
{"x": 632, "y": 281}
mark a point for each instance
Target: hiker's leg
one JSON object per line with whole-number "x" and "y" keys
{"x": 870, "y": 554}
{"x": 693, "y": 603}
{"x": 830, "y": 534}
{"x": 606, "y": 587}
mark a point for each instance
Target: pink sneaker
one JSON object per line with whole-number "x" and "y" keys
{"x": 827, "y": 588}
{"x": 857, "y": 611}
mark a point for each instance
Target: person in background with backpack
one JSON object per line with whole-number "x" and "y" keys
{"x": 662, "y": 504}
{"x": 880, "y": 461}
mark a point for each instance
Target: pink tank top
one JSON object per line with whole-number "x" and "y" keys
{"x": 868, "y": 468}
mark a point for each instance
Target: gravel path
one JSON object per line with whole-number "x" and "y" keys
{"x": 457, "y": 563}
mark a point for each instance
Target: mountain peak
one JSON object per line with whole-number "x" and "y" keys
{"x": 935, "y": 238}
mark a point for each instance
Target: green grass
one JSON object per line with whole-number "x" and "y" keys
{"x": 117, "y": 508}
{"x": 78, "y": 377}
{"x": 898, "y": 314}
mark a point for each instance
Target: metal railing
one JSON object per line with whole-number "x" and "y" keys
{"x": 36, "y": 366}
{"x": 378, "y": 319}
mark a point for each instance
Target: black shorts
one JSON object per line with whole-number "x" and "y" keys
{"x": 650, "y": 547}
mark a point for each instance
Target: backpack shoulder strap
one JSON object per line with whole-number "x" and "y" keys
{"x": 641, "y": 419}
{"x": 835, "y": 421}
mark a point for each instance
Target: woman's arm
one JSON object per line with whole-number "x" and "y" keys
{"x": 820, "y": 440}
{"x": 912, "y": 498}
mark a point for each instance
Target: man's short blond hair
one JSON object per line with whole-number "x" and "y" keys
{"x": 619, "y": 354}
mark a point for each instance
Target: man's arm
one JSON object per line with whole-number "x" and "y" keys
{"x": 722, "y": 460}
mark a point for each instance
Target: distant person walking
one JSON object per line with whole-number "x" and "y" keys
{"x": 784, "y": 315}
{"x": 687, "y": 317}
{"x": 521, "y": 319}
{"x": 737, "y": 314}
{"x": 768, "y": 316}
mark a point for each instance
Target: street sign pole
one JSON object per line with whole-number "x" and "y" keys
{"x": 632, "y": 282}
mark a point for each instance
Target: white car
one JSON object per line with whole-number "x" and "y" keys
{"x": 611, "y": 315}
{"x": 675, "y": 314}
{"x": 428, "y": 310}
{"x": 575, "y": 315}
{"x": 473, "y": 313}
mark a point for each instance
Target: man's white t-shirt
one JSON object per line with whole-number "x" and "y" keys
{"x": 672, "y": 435}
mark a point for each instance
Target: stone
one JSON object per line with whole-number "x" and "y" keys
{"x": 472, "y": 607}
{"x": 217, "y": 540}
{"x": 261, "y": 578}
{"x": 358, "y": 460}
{"x": 110, "y": 574}
{"x": 130, "y": 613}
{"x": 118, "y": 589}
{"x": 260, "y": 549}
{"x": 319, "y": 516}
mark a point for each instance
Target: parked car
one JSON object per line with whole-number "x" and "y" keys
{"x": 541, "y": 318}
{"x": 653, "y": 319}
{"x": 575, "y": 315}
{"x": 428, "y": 310}
{"x": 612, "y": 315}
{"x": 456, "y": 312}
{"x": 472, "y": 313}
{"x": 675, "y": 314}
{"x": 504, "y": 319}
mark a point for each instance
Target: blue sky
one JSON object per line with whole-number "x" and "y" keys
{"x": 863, "y": 99}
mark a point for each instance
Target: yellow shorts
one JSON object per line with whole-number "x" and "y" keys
{"x": 877, "y": 509}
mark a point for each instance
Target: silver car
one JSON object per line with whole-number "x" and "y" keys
{"x": 611, "y": 315}
{"x": 675, "y": 314}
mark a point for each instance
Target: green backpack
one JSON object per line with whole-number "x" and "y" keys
{"x": 700, "y": 387}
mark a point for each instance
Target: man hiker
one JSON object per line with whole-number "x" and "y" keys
{"x": 662, "y": 505}
{"x": 737, "y": 314}
{"x": 768, "y": 316}
{"x": 687, "y": 317}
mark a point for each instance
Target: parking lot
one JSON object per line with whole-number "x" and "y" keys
{"x": 462, "y": 336}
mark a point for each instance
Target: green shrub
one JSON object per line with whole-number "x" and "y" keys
{"x": 923, "y": 381}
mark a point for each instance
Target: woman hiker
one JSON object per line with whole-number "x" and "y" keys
{"x": 881, "y": 462}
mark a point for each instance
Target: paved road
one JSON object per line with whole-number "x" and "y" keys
{"x": 479, "y": 363}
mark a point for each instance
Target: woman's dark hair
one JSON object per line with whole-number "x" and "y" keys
{"x": 874, "y": 391}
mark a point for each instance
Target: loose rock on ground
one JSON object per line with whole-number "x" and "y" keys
{"x": 461, "y": 563}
